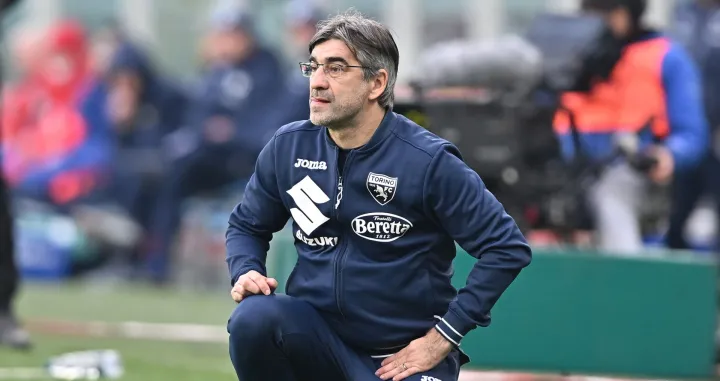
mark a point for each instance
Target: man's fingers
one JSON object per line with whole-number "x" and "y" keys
{"x": 263, "y": 285}
{"x": 236, "y": 296}
{"x": 253, "y": 283}
{"x": 252, "y": 274}
{"x": 390, "y": 368}
{"x": 250, "y": 287}
{"x": 390, "y": 359}
{"x": 238, "y": 288}
{"x": 261, "y": 282}
{"x": 405, "y": 374}
{"x": 389, "y": 371}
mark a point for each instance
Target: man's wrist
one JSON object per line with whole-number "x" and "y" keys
{"x": 438, "y": 339}
{"x": 454, "y": 327}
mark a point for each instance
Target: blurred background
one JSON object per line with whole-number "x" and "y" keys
{"x": 129, "y": 128}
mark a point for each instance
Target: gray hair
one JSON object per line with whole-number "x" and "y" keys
{"x": 371, "y": 43}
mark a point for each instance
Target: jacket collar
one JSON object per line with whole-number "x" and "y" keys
{"x": 385, "y": 128}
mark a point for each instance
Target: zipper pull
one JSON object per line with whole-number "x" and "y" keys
{"x": 339, "y": 196}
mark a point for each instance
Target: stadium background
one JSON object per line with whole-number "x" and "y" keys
{"x": 178, "y": 333}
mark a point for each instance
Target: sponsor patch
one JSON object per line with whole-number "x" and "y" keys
{"x": 380, "y": 227}
{"x": 309, "y": 164}
{"x": 316, "y": 241}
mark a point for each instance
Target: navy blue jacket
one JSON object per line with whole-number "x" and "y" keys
{"x": 245, "y": 91}
{"x": 697, "y": 29}
{"x": 375, "y": 246}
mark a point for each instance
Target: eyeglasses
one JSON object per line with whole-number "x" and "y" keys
{"x": 332, "y": 70}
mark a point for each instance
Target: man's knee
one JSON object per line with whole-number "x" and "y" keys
{"x": 258, "y": 316}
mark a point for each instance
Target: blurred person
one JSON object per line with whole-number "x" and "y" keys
{"x": 143, "y": 108}
{"x": 104, "y": 44}
{"x": 229, "y": 120}
{"x": 56, "y": 150}
{"x": 696, "y": 25}
{"x": 301, "y": 19}
{"x": 11, "y": 333}
{"x": 26, "y": 49}
{"x": 654, "y": 93}
{"x": 377, "y": 204}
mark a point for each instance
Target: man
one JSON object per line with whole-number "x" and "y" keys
{"x": 377, "y": 204}
{"x": 142, "y": 109}
{"x": 229, "y": 121}
{"x": 653, "y": 92}
{"x": 696, "y": 25}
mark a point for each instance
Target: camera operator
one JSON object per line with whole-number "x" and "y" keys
{"x": 653, "y": 94}
{"x": 696, "y": 25}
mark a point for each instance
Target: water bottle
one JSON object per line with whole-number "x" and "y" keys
{"x": 87, "y": 365}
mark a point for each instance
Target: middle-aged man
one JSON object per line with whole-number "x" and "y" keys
{"x": 377, "y": 204}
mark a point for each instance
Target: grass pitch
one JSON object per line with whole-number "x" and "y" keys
{"x": 42, "y": 307}
{"x": 143, "y": 359}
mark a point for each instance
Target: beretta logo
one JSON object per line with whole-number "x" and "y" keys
{"x": 380, "y": 227}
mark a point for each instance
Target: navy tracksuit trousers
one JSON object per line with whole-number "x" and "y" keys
{"x": 282, "y": 338}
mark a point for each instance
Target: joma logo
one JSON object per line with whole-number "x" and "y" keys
{"x": 319, "y": 165}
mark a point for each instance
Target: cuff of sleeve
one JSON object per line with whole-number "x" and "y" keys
{"x": 453, "y": 327}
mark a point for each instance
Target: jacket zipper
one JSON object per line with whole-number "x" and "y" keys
{"x": 339, "y": 196}
{"x": 340, "y": 258}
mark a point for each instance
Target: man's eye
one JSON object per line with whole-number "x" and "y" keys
{"x": 336, "y": 69}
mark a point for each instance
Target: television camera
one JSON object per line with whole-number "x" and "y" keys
{"x": 496, "y": 101}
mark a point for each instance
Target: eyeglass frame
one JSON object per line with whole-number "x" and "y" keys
{"x": 325, "y": 66}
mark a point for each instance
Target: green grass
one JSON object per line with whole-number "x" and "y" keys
{"x": 123, "y": 303}
{"x": 143, "y": 360}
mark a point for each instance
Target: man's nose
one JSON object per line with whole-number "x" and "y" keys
{"x": 318, "y": 79}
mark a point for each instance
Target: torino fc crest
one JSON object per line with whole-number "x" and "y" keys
{"x": 381, "y": 187}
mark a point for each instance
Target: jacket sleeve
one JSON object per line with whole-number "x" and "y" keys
{"x": 459, "y": 202}
{"x": 253, "y": 222}
{"x": 689, "y": 131}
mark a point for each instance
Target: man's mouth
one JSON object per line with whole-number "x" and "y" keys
{"x": 319, "y": 100}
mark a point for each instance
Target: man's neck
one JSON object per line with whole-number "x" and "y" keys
{"x": 360, "y": 131}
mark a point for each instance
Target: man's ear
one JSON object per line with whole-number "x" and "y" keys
{"x": 378, "y": 84}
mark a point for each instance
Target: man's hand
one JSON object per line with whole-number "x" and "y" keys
{"x": 662, "y": 172}
{"x": 252, "y": 283}
{"x": 421, "y": 355}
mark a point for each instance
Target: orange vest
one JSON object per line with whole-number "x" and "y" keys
{"x": 632, "y": 97}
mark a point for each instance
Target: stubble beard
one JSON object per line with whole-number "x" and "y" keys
{"x": 340, "y": 116}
